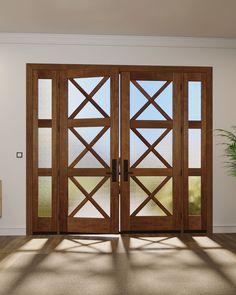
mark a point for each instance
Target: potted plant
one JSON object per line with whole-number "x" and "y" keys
{"x": 229, "y": 143}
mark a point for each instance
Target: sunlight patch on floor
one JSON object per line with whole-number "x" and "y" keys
{"x": 157, "y": 243}
{"x": 34, "y": 244}
{"x": 206, "y": 242}
{"x": 84, "y": 246}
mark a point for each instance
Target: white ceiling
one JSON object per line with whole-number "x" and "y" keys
{"x": 189, "y": 18}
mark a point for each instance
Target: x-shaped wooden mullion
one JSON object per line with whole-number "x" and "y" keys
{"x": 151, "y": 196}
{"x": 88, "y": 196}
{"x": 89, "y": 147}
{"x": 151, "y": 100}
{"x": 91, "y": 144}
{"x": 89, "y": 98}
{"x": 158, "y": 155}
{"x": 151, "y": 148}
{"x": 91, "y": 194}
{"x": 91, "y": 94}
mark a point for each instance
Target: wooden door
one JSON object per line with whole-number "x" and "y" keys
{"x": 150, "y": 151}
{"x": 74, "y": 143}
{"x": 89, "y": 150}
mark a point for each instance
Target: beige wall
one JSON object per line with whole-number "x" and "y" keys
{"x": 17, "y": 50}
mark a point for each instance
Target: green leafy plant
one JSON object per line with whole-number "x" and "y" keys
{"x": 229, "y": 148}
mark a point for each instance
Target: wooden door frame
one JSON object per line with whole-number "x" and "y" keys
{"x": 33, "y": 123}
{"x": 58, "y": 68}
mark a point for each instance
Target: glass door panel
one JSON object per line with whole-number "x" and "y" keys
{"x": 150, "y": 196}
{"x": 91, "y": 141}
{"x": 195, "y": 156}
{"x": 45, "y": 164}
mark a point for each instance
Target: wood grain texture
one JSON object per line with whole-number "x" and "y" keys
{"x": 125, "y": 150}
{"x": 60, "y": 75}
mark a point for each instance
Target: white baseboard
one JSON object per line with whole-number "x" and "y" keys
{"x": 224, "y": 229}
{"x": 13, "y": 231}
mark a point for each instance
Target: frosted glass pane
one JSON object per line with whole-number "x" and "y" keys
{"x": 44, "y": 147}
{"x": 151, "y": 113}
{"x": 151, "y": 87}
{"x": 102, "y": 147}
{"x": 89, "y": 161}
{"x": 165, "y": 147}
{"x": 88, "y": 133}
{"x": 165, "y": 100}
{"x": 165, "y": 196}
{"x": 137, "y": 196}
{"x": 44, "y": 98}
{"x": 88, "y": 84}
{"x": 102, "y": 97}
{"x": 89, "y": 211}
{"x": 151, "y": 209}
{"x": 151, "y": 161}
{"x": 102, "y": 197}
{"x": 194, "y": 100}
{"x": 194, "y": 195}
{"x": 194, "y": 148}
{"x": 44, "y": 196}
{"x": 75, "y": 98}
{"x": 89, "y": 111}
{"x": 137, "y": 100}
{"x": 75, "y": 147}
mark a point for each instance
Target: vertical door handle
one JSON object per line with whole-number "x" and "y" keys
{"x": 126, "y": 173}
{"x": 113, "y": 172}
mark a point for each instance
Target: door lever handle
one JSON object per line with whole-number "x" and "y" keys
{"x": 113, "y": 172}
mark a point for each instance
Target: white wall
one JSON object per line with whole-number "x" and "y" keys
{"x": 18, "y": 49}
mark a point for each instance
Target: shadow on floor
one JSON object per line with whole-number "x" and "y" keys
{"x": 114, "y": 265}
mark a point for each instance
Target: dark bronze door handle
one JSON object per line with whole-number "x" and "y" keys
{"x": 113, "y": 172}
{"x": 126, "y": 170}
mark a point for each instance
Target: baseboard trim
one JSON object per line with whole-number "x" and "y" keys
{"x": 224, "y": 229}
{"x": 21, "y": 231}
{"x": 13, "y": 231}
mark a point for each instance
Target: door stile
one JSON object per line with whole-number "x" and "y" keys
{"x": 185, "y": 153}
{"x": 125, "y": 148}
{"x": 63, "y": 184}
{"x": 29, "y": 152}
{"x": 209, "y": 152}
{"x": 114, "y": 152}
{"x": 204, "y": 153}
{"x": 177, "y": 152}
{"x": 35, "y": 152}
{"x": 55, "y": 150}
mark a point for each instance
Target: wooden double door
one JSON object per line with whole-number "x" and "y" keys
{"x": 118, "y": 149}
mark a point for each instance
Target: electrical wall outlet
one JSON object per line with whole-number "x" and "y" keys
{"x": 19, "y": 155}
